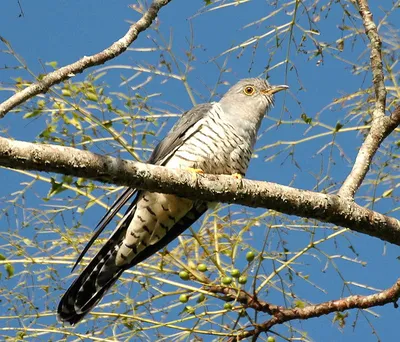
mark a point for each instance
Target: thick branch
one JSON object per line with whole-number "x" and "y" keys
{"x": 381, "y": 125}
{"x": 281, "y": 315}
{"x": 323, "y": 207}
{"x": 71, "y": 70}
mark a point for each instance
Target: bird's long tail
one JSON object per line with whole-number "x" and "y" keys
{"x": 92, "y": 284}
{"x": 102, "y": 272}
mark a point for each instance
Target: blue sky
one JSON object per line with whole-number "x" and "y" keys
{"x": 64, "y": 31}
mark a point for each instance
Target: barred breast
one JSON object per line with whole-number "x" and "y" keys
{"x": 216, "y": 147}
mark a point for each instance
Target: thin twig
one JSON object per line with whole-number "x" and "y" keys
{"x": 244, "y": 298}
{"x": 381, "y": 125}
{"x": 68, "y": 71}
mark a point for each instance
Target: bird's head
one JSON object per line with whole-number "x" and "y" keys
{"x": 250, "y": 97}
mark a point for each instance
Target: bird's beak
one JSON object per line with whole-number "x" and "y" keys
{"x": 274, "y": 89}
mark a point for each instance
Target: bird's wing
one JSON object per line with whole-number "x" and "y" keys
{"x": 178, "y": 134}
{"x": 163, "y": 151}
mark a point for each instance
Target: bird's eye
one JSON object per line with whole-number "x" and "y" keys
{"x": 249, "y": 90}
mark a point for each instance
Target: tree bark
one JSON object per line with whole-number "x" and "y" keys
{"x": 323, "y": 207}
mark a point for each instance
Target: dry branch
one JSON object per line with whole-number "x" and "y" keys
{"x": 71, "y": 70}
{"x": 323, "y": 207}
{"x": 281, "y": 315}
{"x": 381, "y": 125}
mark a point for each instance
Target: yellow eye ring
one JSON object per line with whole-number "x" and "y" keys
{"x": 249, "y": 90}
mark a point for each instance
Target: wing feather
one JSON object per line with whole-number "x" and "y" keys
{"x": 176, "y": 137}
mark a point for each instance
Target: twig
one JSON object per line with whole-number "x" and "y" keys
{"x": 71, "y": 70}
{"x": 381, "y": 125}
{"x": 376, "y": 57}
{"x": 244, "y": 298}
{"x": 323, "y": 207}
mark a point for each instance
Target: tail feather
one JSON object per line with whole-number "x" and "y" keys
{"x": 101, "y": 273}
{"x": 92, "y": 284}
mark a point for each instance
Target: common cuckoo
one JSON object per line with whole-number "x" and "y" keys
{"x": 217, "y": 138}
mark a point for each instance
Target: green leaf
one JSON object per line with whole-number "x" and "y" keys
{"x": 306, "y": 119}
{"x": 74, "y": 121}
{"x": 338, "y": 127}
{"x": 299, "y": 304}
{"x": 340, "y": 318}
{"x": 56, "y": 188}
{"x": 107, "y": 101}
{"x": 41, "y": 104}
{"x": 387, "y": 193}
{"x": 45, "y": 288}
{"x": 67, "y": 179}
{"x": 10, "y": 270}
{"x": 92, "y": 96}
{"x": 66, "y": 92}
{"x": 29, "y": 115}
{"x": 47, "y": 132}
{"x": 53, "y": 64}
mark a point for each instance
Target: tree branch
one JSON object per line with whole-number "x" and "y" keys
{"x": 244, "y": 298}
{"x": 282, "y": 315}
{"x": 71, "y": 70}
{"x": 381, "y": 125}
{"x": 376, "y": 57}
{"x": 326, "y": 208}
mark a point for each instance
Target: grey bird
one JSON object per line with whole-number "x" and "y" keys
{"x": 217, "y": 138}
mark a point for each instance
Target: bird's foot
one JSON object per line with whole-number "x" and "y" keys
{"x": 198, "y": 171}
{"x": 237, "y": 176}
{"x": 195, "y": 172}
